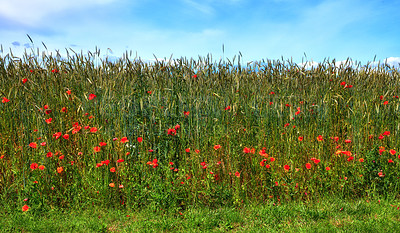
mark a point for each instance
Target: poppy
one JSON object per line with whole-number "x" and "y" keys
{"x": 390, "y": 161}
{"x": 24, "y": 80}
{"x": 33, "y": 145}
{"x": 386, "y": 133}
{"x": 112, "y": 169}
{"x": 392, "y": 152}
{"x": 216, "y": 147}
{"x": 69, "y": 92}
{"x": 106, "y": 162}
{"x": 177, "y": 127}
{"x": 5, "y": 100}
{"x": 64, "y": 109}
{"x": 227, "y": 108}
{"x": 49, "y": 154}
{"x": 186, "y": 113}
{"x": 361, "y": 160}
{"x": 34, "y": 166}
{"x": 327, "y": 168}
{"x": 300, "y": 138}
{"x": 66, "y": 136}
{"x": 92, "y": 96}
{"x": 386, "y": 102}
{"x": 237, "y": 174}
{"x": 320, "y": 138}
{"x": 308, "y": 165}
{"x": 272, "y": 159}
{"x": 112, "y": 185}
{"x": 139, "y": 139}
{"x": 286, "y": 167}
{"x": 93, "y": 130}
{"x": 57, "y": 135}
{"x": 246, "y": 150}
{"x": 120, "y": 160}
{"x": 347, "y": 141}
{"x": 187, "y": 150}
{"x": 48, "y": 121}
{"x": 171, "y": 132}
{"x": 41, "y": 167}
{"x": 97, "y": 149}
{"x": 60, "y": 169}
{"x": 124, "y": 140}
{"x": 102, "y": 144}
{"x": 25, "y": 208}
{"x": 197, "y": 151}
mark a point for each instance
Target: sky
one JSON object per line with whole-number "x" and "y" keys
{"x": 298, "y": 30}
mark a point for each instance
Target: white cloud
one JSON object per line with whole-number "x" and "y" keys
{"x": 393, "y": 61}
{"x": 28, "y": 12}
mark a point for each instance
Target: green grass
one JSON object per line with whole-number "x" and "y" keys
{"x": 330, "y": 215}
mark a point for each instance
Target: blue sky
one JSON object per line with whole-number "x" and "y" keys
{"x": 270, "y": 29}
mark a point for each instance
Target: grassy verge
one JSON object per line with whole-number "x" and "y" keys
{"x": 331, "y": 215}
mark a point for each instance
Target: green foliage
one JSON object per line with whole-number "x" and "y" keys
{"x": 198, "y": 132}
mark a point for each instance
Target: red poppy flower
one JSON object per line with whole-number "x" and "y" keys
{"x": 24, "y": 80}
{"x": 300, "y": 138}
{"x": 48, "y": 121}
{"x": 43, "y": 144}
{"x": 102, "y": 144}
{"x": 308, "y": 165}
{"x": 34, "y": 166}
{"x": 149, "y": 92}
{"x": 343, "y": 83}
{"x": 92, "y": 96}
{"x": 390, "y": 161}
{"x": 171, "y": 132}
{"x": 64, "y": 109}
{"x": 106, "y": 162}
{"x": 197, "y": 151}
{"x": 381, "y": 137}
{"x": 33, "y": 145}
{"x": 177, "y": 127}
{"x": 124, "y": 140}
{"x": 57, "y": 135}
{"x": 361, "y": 160}
{"x": 386, "y": 133}
{"x": 347, "y": 141}
{"x": 327, "y": 168}
{"x": 320, "y": 138}
{"x": 272, "y": 159}
{"x": 246, "y": 150}
{"x": 96, "y": 149}
{"x": 93, "y": 130}
{"x": 139, "y": 139}
{"x": 66, "y": 136}
{"x": 49, "y": 154}
{"x": 286, "y": 167}
{"x": 5, "y": 100}
{"x": 112, "y": 185}
{"x": 194, "y": 76}
{"x": 186, "y": 113}
{"x": 227, "y": 108}
{"x": 187, "y": 150}
{"x": 112, "y": 169}
{"x": 237, "y": 174}
{"x": 69, "y": 92}
{"x": 216, "y": 147}
{"x": 60, "y": 169}
{"x": 385, "y": 102}
{"x": 25, "y": 208}
{"x": 120, "y": 160}
{"x": 41, "y": 167}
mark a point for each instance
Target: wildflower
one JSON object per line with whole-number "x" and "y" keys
{"x": 61, "y": 157}
{"x": 64, "y": 109}
{"x": 380, "y": 174}
{"x": 300, "y": 138}
{"x": 347, "y": 141}
{"x": 106, "y": 162}
{"x": 112, "y": 169}
{"x": 386, "y": 133}
{"x": 121, "y": 186}
{"x": 5, "y": 100}
{"x": 361, "y": 160}
{"x": 186, "y": 113}
{"x": 57, "y": 135}
{"x": 267, "y": 166}
{"x": 227, "y": 108}
{"x": 60, "y": 169}
{"x": 187, "y": 150}
{"x": 194, "y": 76}
{"x": 120, "y": 160}
{"x": 392, "y": 152}
{"x": 171, "y": 132}
{"x": 124, "y": 140}
{"x": 197, "y": 151}
{"x": 246, "y": 150}
{"x": 48, "y": 121}
{"x": 286, "y": 167}
{"x": 93, "y": 130}
{"x": 386, "y": 102}
{"x": 216, "y": 147}
{"x": 272, "y": 159}
{"x": 66, "y": 136}
{"x": 97, "y": 149}
{"x": 112, "y": 185}
{"x": 49, "y": 154}
{"x": 25, "y": 208}
{"x": 68, "y": 92}
{"x": 381, "y": 137}
{"x": 390, "y": 161}
{"x": 41, "y": 167}
{"x": 327, "y": 168}
{"x": 320, "y": 138}
{"x": 308, "y": 165}
{"x": 33, "y": 145}
{"x": 139, "y": 139}
{"x": 102, "y": 144}
{"x": 91, "y": 96}
{"x": 177, "y": 127}
{"x": 149, "y": 92}
{"x": 237, "y": 174}
{"x": 34, "y": 166}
